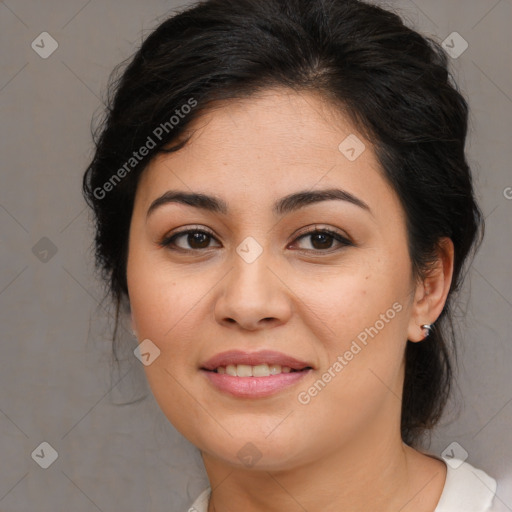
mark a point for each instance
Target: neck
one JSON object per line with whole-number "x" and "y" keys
{"x": 375, "y": 472}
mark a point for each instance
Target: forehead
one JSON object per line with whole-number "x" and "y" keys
{"x": 276, "y": 124}
{"x": 264, "y": 147}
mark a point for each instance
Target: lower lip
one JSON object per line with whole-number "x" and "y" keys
{"x": 254, "y": 387}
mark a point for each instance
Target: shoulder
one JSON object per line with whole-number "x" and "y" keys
{"x": 467, "y": 489}
{"x": 201, "y": 503}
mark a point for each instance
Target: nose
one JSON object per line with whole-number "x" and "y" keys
{"x": 254, "y": 296}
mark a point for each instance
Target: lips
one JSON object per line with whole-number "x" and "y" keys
{"x": 254, "y": 375}
{"x": 270, "y": 357}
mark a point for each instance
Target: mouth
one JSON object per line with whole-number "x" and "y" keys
{"x": 254, "y": 375}
{"x": 263, "y": 363}
{"x": 259, "y": 370}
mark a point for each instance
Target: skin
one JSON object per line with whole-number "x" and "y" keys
{"x": 342, "y": 450}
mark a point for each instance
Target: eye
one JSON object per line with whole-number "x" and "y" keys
{"x": 196, "y": 239}
{"x": 323, "y": 239}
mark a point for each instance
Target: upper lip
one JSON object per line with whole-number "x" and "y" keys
{"x": 254, "y": 358}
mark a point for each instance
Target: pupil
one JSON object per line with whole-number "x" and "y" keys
{"x": 195, "y": 238}
{"x": 323, "y": 237}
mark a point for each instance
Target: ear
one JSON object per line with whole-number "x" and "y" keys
{"x": 431, "y": 292}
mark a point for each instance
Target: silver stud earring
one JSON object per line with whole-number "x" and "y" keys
{"x": 426, "y": 329}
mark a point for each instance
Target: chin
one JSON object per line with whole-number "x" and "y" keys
{"x": 256, "y": 451}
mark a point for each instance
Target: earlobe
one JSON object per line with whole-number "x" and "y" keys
{"x": 426, "y": 329}
{"x": 431, "y": 292}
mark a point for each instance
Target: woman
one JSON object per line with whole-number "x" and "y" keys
{"x": 283, "y": 201}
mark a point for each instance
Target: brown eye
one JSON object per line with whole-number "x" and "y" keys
{"x": 198, "y": 240}
{"x": 323, "y": 240}
{"x": 194, "y": 239}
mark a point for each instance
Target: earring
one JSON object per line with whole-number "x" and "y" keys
{"x": 426, "y": 329}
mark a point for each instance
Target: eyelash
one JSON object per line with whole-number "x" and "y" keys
{"x": 169, "y": 241}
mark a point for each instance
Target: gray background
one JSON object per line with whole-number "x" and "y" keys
{"x": 55, "y": 362}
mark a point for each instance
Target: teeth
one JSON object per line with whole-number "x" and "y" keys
{"x": 275, "y": 369}
{"x": 260, "y": 370}
{"x": 244, "y": 370}
{"x": 231, "y": 370}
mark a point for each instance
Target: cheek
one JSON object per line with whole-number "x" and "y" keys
{"x": 164, "y": 306}
{"x": 361, "y": 374}
{"x": 165, "y": 309}
{"x": 343, "y": 303}
{"x": 358, "y": 318}
{"x": 161, "y": 297}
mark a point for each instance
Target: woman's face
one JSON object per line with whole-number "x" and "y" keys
{"x": 259, "y": 277}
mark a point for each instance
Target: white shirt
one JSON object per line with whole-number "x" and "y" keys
{"x": 466, "y": 489}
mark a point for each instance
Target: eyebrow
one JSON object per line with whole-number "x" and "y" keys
{"x": 287, "y": 204}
